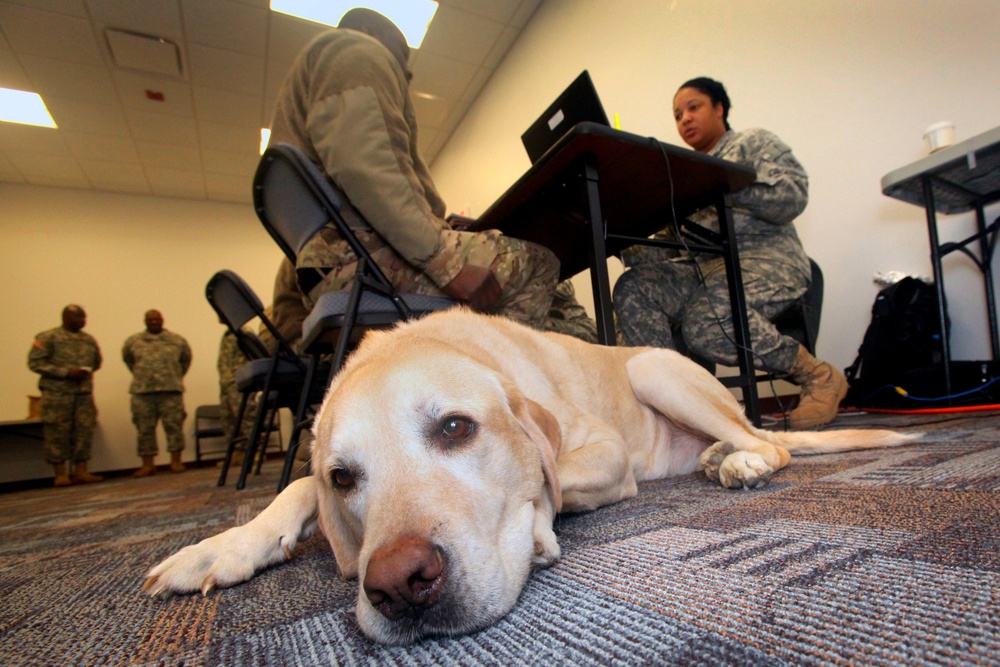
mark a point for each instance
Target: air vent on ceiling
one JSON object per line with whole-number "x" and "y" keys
{"x": 146, "y": 53}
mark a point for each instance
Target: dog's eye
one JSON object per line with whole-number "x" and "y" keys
{"x": 454, "y": 429}
{"x": 342, "y": 478}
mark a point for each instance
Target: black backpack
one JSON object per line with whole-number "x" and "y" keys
{"x": 904, "y": 336}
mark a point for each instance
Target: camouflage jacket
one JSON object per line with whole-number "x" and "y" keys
{"x": 763, "y": 213}
{"x": 346, "y": 104}
{"x": 58, "y": 350}
{"x": 231, "y": 357}
{"x": 158, "y": 361}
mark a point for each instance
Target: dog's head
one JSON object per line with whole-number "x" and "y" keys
{"x": 437, "y": 487}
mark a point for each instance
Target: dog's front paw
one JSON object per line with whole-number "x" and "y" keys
{"x": 744, "y": 470}
{"x": 216, "y": 562}
{"x": 711, "y": 459}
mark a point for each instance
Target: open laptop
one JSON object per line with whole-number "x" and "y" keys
{"x": 576, "y": 104}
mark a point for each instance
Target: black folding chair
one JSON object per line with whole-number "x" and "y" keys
{"x": 294, "y": 200}
{"x": 280, "y": 377}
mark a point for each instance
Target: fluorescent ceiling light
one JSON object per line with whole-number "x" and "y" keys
{"x": 412, "y": 16}
{"x": 18, "y": 106}
{"x": 265, "y": 135}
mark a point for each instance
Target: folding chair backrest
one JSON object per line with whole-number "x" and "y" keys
{"x": 294, "y": 199}
{"x": 236, "y": 304}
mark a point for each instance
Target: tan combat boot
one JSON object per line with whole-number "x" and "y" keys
{"x": 81, "y": 476}
{"x": 823, "y": 388}
{"x": 175, "y": 462}
{"x": 62, "y": 479}
{"x": 148, "y": 467}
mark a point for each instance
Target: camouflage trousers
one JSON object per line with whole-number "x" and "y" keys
{"x": 68, "y": 422}
{"x": 229, "y": 408}
{"x": 567, "y": 316}
{"x": 655, "y": 302}
{"x": 527, "y": 273}
{"x": 165, "y": 406}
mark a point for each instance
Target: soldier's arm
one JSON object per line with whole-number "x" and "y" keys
{"x": 781, "y": 190}
{"x": 127, "y": 355}
{"x": 185, "y": 356}
{"x": 40, "y": 360}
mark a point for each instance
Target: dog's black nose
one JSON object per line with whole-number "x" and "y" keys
{"x": 405, "y": 577}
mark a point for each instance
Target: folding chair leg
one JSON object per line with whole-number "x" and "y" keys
{"x": 231, "y": 447}
{"x": 266, "y": 435}
{"x": 299, "y": 424}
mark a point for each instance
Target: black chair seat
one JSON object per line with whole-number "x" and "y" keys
{"x": 252, "y": 375}
{"x": 374, "y": 310}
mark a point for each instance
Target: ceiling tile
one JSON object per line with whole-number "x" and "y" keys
{"x": 496, "y": 10}
{"x": 229, "y": 138}
{"x": 506, "y": 39}
{"x": 70, "y": 7}
{"x": 450, "y": 79}
{"x": 12, "y": 75}
{"x": 431, "y": 112}
{"x": 461, "y": 36}
{"x": 524, "y": 13}
{"x": 275, "y": 76}
{"x": 177, "y": 183}
{"x": 223, "y": 106}
{"x": 223, "y": 162}
{"x": 59, "y": 78}
{"x": 86, "y": 146}
{"x": 226, "y": 70}
{"x": 8, "y": 172}
{"x": 157, "y": 18}
{"x": 288, "y": 35}
{"x": 162, "y": 128}
{"x": 41, "y": 169}
{"x": 116, "y": 176}
{"x": 225, "y": 24}
{"x": 168, "y": 156}
{"x": 42, "y": 140}
{"x": 43, "y": 33}
{"x": 102, "y": 119}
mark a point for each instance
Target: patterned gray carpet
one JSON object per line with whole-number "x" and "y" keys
{"x": 870, "y": 558}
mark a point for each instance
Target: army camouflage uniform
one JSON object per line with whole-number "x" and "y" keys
{"x": 346, "y": 104}
{"x": 230, "y": 359}
{"x": 69, "y": 415}
{"x": 661, "y": 294}
{"x": 158, "y": 363}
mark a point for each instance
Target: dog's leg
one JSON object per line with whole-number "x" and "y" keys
{"x": 234, "y": 556}
{"x": 692, "y": 398}
{"x": 597, "y": 474}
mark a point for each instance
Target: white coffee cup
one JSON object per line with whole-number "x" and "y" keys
{"x": 939, "y": 135}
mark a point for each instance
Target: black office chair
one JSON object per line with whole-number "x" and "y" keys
{"x": 280, "y": 377}
{"x": 294, "y": 200}
{"x": 799, "y": 321}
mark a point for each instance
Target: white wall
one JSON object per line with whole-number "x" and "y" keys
{"x": 850, "y": 85}
{"x": 117, "y": 256}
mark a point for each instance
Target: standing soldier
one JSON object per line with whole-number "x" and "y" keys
{"x": 158, "y": 359}
{"x": 66, "y": 358}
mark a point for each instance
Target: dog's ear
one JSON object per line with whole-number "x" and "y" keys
{"x": 542, "y": 428}
{"x": 341, "y": 531}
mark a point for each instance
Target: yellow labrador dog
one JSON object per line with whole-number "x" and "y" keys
{"x": 445, "y": 448}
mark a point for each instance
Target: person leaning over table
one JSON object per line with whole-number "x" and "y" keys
{"x": 66, "y": 358}
{"x": 346, "y": 105}
{"x": 664, "y": 291}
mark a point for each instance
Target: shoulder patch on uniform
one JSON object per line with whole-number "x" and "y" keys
{"x": 39, "y": 345}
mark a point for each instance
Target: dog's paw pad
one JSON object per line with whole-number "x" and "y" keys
{"x": 744, "y": 470}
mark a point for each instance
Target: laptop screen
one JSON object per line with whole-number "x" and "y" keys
{"x": 576, "y": 104}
